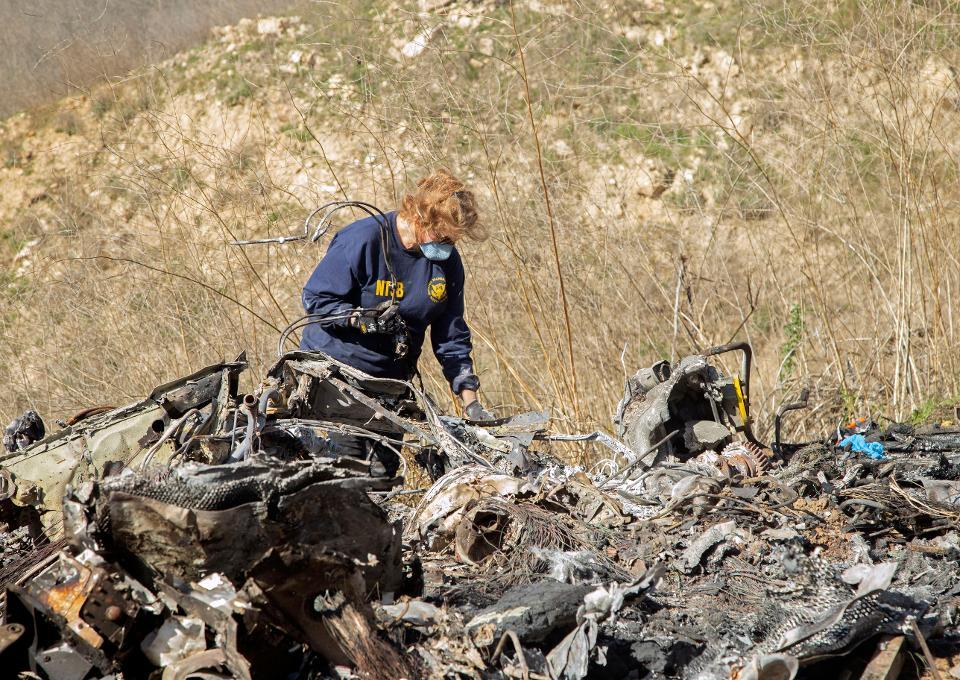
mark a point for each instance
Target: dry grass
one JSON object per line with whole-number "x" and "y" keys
{"x": 784, "y": 174}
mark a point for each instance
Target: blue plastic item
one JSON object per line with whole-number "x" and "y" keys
{"x": 859, "y": 444}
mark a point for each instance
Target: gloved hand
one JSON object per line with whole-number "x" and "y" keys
{"x": 384, "y": 319}
{"x": 475, "y": 412}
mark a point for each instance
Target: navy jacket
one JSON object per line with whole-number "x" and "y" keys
{"x": 353, "y": 274}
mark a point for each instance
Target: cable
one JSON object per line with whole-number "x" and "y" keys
{"x": 382, "y": 221}
{"x": 323, "y": 225}
{"x": 317, "y": 234}
{"x": 173, "y": 429}
{"x": 308, "y": 319}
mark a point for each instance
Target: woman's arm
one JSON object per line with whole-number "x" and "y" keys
{"x": 333, "y": 287}
{"x": 450, "y": 337}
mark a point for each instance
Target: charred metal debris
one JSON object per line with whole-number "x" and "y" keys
{"x": 202, "y": 533}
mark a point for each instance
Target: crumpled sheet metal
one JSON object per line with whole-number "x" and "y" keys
{"x": 441, "y": 508}
{"x": 80, "y": 452}
{"x": 304, "y": 540}
{"x": 23, "y": 431}
{"x": 717, "y": 528}
{"x": 570, "y": 659}
{"x": 745, "y": 533}
{"x": 80, "y": 614}
{"x": 176, "y": 639}
{"x": 320, "y": 386}
{"x": 666, "y": 488}
{"x": 708, "y": 541}
{"x": 761, "y": 569}
{"x": 642, "y": 418}
{"x": 577, "y": 493}
{"x": 225, "y": 518}
{"x": 946, "y": 491}
{"x": 417, "y": 613}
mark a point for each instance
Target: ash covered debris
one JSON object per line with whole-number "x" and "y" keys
{"x": 210, "y": 534}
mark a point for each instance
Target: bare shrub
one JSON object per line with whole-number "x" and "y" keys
{"x": 780, "y": 176}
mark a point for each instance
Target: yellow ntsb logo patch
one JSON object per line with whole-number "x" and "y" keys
{"x": 437, "y": 289}
{"x": 385, "y": 288}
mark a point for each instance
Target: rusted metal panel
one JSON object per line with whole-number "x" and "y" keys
{"x": 63, "y": 589}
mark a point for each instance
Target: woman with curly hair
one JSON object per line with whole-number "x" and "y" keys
{"x": 410, "y": 278}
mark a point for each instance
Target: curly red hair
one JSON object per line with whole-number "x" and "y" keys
{"x": 442, "y": 208}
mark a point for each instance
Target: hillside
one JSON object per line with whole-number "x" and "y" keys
{"x": 49, "y": 48}
{"x": 714, "y": 170}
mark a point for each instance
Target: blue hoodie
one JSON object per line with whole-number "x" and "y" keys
{"x": 353, "y": 273}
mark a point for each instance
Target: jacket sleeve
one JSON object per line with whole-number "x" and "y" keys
{"x": 333, "y": 287}
{"x": 450, "y": 337}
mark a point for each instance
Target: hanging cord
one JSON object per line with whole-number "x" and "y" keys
{"x": 317, "y": 234}
{"x": 384, "y": 224}
{"x": 309, "y": 319}
{"x": 323, "y": 225}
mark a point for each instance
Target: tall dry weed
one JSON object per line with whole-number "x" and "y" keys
{"x": 656, "y": 180}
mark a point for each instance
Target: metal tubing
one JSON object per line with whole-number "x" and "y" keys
{"x": 265, "y": 398}
{"x": 322, "y": 225}
{"x": 286, "y": 239}
{"x": 308, "y": 319}
{"x": 778, "y": 418}
{"x": 745, "y": 366}
{"x": 246, "y": 446}
{"x": 173, "y": 430}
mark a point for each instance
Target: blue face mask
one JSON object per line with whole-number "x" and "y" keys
{"x": 436, "y": 251}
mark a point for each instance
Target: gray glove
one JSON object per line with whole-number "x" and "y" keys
{"x": 475, "y": 412}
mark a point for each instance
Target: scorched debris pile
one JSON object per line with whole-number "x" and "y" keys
{"x": 201, "y": 533}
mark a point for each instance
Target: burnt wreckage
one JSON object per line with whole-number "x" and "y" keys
{"x": 201, "y": 533}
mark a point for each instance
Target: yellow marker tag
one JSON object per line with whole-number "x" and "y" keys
{"x": 741, "y": 404}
